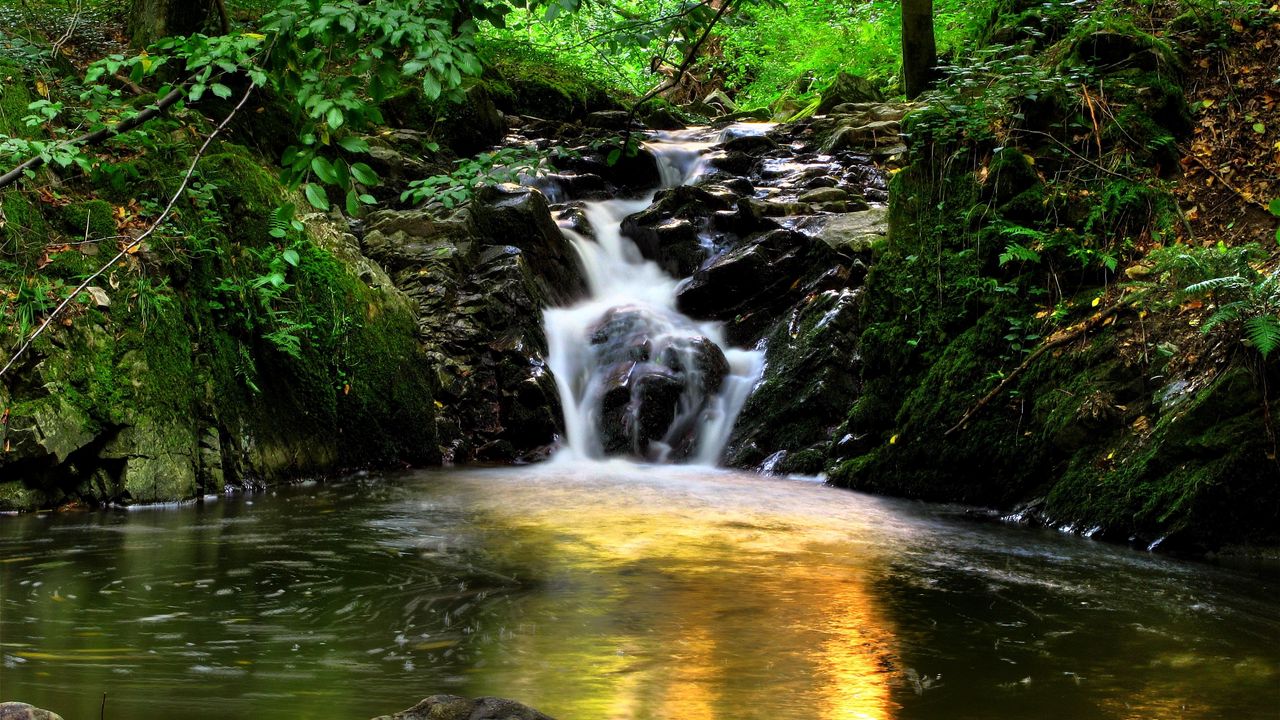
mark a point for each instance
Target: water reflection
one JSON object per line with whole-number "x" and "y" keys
{"x": 614, "y": 592}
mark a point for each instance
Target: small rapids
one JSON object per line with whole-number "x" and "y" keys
{"x": 635, "y": 376}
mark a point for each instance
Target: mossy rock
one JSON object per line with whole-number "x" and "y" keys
{"x": 91, "y": 219}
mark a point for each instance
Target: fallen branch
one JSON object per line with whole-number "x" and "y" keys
{"x": 102, "y": 134}
{"x": 1053, "y": 341}
{"x": 133, "y": 244}
{"x": 689, "y": 59}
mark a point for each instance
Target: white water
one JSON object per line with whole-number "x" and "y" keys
{"x": 619, "y": 277}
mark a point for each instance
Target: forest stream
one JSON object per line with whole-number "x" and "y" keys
{"x": 597, "y": 588}
{"x": 609, "y": 590}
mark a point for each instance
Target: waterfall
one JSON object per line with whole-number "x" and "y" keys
{"x": 635, "y": 376}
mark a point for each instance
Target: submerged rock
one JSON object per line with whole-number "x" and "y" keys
{"x": 453, "y": 707}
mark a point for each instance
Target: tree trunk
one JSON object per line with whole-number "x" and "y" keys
{"x": 919, "y": 51}
{"x": 150, "y": 20}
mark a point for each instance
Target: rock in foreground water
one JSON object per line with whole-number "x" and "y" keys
{"x": 23, "y": 711}
{"x": 452, "y": 707}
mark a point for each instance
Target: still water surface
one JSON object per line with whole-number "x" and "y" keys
{"x": 610, "y": 591}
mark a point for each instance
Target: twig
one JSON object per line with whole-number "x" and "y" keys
{"x": 71, "y": 29}
{"x": 679, "y": 73}
{"x": 102, "y": 709}
{"x": 1068, "y": 148}
{"x": 182, "y": 186}
{"x": 98, "y": 136}
{"x": 1223, "y": 180}
{"x": 1052, "y": 342}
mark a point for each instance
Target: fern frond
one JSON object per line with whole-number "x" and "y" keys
{"x": 1229, "y": 282}
{"x": 1014, "y": 251}
{"x": 1225, "y": 314}
{"x": 1263, "y": 332}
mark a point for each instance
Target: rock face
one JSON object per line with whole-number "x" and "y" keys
{"x": 452, "y": 707}
{"x": 480, "y": 278}
{"x": 848, "y": 88}
{"x": 23, "y": 711}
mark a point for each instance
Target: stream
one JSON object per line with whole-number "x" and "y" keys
{"x": 594, "y": 588}
{"x": 612, "y": 590}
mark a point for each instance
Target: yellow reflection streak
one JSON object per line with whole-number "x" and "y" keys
{"x": 677, "y": 607}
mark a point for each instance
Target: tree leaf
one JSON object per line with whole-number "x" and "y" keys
{"x": 290, "y": 256}
{"x": 323, "y": 170}
{"x": 354, "y": 144}
{"x": 220, "y": 90}
{"x": 316, "y": 196}
{"x": 364, "y": 174}
{"x": 335, "y": 117}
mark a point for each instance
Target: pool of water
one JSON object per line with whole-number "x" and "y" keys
{"x": 615, "y": 591}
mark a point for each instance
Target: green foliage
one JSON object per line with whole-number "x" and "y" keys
{"x": 771, "y": 51}
{"x": 490, "y": 168}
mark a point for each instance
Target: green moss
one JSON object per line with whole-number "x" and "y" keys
{"x": 527, "y": 81}
{"x": 1201, "y": 477}
{"x": 15, "y": 95}
{"x": 90, "y": 218}
{"x": 25, "y": 231}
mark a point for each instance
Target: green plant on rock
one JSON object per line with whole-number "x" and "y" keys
{"x": 1248, "y": 303}
{"x": 489, "y": 168}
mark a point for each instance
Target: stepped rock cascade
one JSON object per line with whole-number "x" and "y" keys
{"x": 636, "y": 377}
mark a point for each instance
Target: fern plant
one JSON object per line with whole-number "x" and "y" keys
{"x": 1248, "y": 302}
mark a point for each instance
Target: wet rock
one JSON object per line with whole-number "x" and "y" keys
{"x": 754, "y": 145}
{"x": 734, "y": 163}
{"x": 452, "y": 707}
{"x": 854, "y": 232}
{"x": 824, "y": 195}
{"x": 759, "y": 266}
{"x": 561, "y": 187}
{"x": 573, "y": 217}
{"x": 519, "y": 215}
{"x": 848, "y": 88}
{"x": 635, "y": 171}
{"x": 23, "y": 711}
{"x": 656, "y": 380}
{"x": 809, "y": 382}
{"x": 668, "y": 232}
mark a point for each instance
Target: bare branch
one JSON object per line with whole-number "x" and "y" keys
{"x": 182, "y": 186}
{"x": 98, "y": 136}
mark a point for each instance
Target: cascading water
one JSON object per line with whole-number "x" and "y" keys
{"x": 635, "y": 376}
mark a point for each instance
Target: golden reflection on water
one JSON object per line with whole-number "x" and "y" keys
{"x": 727, "y": 609}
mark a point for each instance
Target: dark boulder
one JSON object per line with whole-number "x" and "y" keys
{"x": 654, "y": 381}
{"x": 757, "y": 268}
{"x": 519, "y": 216}
{"x": 809, "y": 383}
{"x": 669, "y": 231}
{"x": 754, "y": 145}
